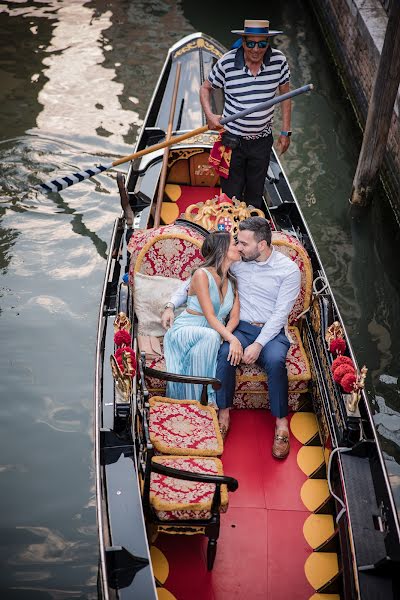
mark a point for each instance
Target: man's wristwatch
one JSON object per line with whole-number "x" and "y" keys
{"x": 169, "y": 305}
{"x": 286, "y": 133}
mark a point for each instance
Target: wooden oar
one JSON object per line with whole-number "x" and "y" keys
{"x": 56, "y": 185}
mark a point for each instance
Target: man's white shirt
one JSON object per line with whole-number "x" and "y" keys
{"x": 267, "y": 292}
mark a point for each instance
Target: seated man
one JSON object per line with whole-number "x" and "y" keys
{"x": 268, "y": 285}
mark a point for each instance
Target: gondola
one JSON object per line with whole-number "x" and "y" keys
{"x": 321, "y": 524}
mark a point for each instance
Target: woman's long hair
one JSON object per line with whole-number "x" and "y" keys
{"x": 214, "y": 249}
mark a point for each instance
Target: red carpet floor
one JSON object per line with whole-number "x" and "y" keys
{"x": 261, "y": 550}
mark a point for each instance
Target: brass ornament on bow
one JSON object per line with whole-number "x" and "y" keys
{"x": 123, "y": 374}
{"x": 123, "y": 383}
{"x": 355, "y": 396}
{"x": 333, "y": 332}
{"x": 122, "y": 322}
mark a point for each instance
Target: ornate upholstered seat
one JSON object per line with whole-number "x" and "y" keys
{"x": 180, "y": 494}
{"x": 184, "y": 427}
{"x": 160, "y": 253}
{"x": 177, "y": 499}
{"x": 174, "y": 250}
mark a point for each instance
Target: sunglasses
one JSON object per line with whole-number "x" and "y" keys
{"x": 252, "y": 44}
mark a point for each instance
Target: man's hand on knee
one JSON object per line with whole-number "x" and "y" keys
{"x": 251, "y": 353}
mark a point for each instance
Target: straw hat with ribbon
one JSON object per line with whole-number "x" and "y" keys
{"x": 252, "y": 27}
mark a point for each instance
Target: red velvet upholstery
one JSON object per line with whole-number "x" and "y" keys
{"x": 170, "y": 251}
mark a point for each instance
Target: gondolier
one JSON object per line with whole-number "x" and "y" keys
{"x": 250, "y": 74}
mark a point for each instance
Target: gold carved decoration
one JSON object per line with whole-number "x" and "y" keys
{"x": 352, "y": 405}
{"x": 220, "y": 214}
{"x": 202, "y": 138}
{"x": 333, "y": 332}
{"x": 189, "y": 530}
{"x": 123, "y": 377}
{"x": 198, "y": 43}
{"x": 123, "y": 383}
{"x": 175, "y": 155}
{"x": 122, "y": 322}
{"x": 316, "y": 316}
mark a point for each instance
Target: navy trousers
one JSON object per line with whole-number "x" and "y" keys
{"x": 272, "y": 359}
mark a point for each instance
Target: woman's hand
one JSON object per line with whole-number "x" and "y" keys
{"x": 167, "y": 318}
{"x": 235, "y": 351}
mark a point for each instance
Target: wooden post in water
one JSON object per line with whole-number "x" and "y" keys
{"x": 380, "y": 112}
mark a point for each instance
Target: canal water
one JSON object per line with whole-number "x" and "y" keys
{"x": 75, "y": 81}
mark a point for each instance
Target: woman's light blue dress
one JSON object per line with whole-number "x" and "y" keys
{"x": 191, "y": 345}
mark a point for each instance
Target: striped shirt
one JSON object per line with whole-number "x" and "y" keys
{"x": 243, "y": 90}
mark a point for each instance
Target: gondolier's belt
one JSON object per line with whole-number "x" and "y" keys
{"x": 255, "y": 136}
{"x": 232, "y": 140}
{"x": 257, "y": 324}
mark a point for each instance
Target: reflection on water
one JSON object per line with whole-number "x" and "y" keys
{"x": 76, "y": 79}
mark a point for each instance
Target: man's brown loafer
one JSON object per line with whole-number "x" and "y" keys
{"x": 281, "y": 446}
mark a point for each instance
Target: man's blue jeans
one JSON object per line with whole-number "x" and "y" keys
{"x": 272, "y": 360}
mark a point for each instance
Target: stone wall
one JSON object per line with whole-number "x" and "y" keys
{"x": 355, "y": 31}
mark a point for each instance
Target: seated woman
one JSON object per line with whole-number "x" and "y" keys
{"x": 191, "y": 345}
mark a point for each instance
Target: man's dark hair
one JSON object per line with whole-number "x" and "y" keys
{"x": 259, "y": 226}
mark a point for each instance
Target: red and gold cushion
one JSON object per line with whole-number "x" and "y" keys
{"x": 184, "y": 427}
{"x": 292, "y": 248}
{"x": 179, "y": 499}
{"x": 170, "y": 251}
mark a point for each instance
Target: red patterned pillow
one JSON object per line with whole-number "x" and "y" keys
{"x": 178, "y": 499}
{"x": 170, "y": 251}
{"x": 184, "y": 427}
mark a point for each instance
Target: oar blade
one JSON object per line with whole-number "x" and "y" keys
{"x": 56, "y": 185}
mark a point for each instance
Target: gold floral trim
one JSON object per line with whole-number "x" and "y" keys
{"x": 198, "y": 43}
{"x": 307, "y": 267}
{"x": 174, "y": 530}
{"x": 165, "y": 506}
{"x": 164, "y": 236}
{"x": 333, "y": 332}
{"x": 165, "y": 449}
{"x": 305, "y": 376}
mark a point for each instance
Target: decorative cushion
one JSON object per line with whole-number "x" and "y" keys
{"x": 170, "y": 251}
{"x": 178, "y": 499}
{"x": 150, "y": 295}
{"x": 184, "y": 427}
{"x": 251, "y": 380}
{"x": 291, "y": 247}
